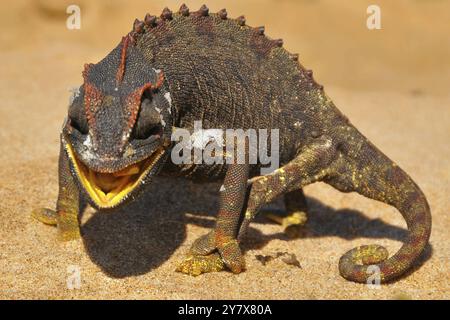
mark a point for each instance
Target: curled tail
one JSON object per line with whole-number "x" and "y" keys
{"x": 366, "y": 170}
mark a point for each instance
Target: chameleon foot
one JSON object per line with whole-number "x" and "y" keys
{"x": 293, "y": 224}
{"x": 68, "y": 228}
{"x": 201, "y": 258}
{"x": 196, "y": 265}
{"x": 45, "y": 215}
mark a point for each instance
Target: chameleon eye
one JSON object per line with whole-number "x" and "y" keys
{"x": 77, "y": 116}
{"x": 148, "y": 122}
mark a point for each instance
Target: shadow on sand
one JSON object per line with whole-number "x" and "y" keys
{"x": 142, "y": 235}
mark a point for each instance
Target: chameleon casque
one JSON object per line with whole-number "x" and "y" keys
{"x": 172, "y": 70}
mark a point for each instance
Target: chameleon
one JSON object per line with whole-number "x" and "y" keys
{"x": 180, "y": 67}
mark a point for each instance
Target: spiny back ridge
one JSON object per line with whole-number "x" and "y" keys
{"x": 151, "y": 22}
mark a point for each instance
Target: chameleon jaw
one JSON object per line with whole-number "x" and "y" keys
{"x": 108, "y": 190}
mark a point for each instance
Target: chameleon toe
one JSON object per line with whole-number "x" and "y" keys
{"x": 232, "y": 256}
{"x": 204, "y": 245}
{"x": 44, "y": 215}
{"x": 196, "y": 265}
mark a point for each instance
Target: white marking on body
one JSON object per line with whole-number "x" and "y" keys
{"x": 169, "y": 100}
{"x": 87, "y": 142}
{"x": 66, "y": 119}
{"x": 201, "y": 138}
{"x": 75, "y": 93}
{"x": 126, "y": 135}
{"x": 328, "y": 143}
{"x": 162, "y": 120}
{"x": 222, "y": 188}
{"x": 87, "y": 153}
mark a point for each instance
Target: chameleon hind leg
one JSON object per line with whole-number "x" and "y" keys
{"x": 65, "y": 217}
{"x": 220, "y": 248}
{"x": 310, "y": 165}
{"x": 295, "y": 217}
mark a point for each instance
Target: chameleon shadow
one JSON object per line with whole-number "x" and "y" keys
{"x": 323, "y": 221}
{"x": 140, "y": 236}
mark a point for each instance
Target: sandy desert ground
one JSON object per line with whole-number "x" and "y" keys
{"x": 392, "y": 83}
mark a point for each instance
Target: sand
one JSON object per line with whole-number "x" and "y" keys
{"x": 392, "y": 83}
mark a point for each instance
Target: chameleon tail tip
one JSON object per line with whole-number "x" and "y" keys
{"x": 354, "y": 263}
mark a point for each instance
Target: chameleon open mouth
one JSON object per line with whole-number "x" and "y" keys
{"x": 109, "y": 189}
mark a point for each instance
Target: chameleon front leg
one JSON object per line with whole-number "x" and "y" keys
{"x": 67, "y": 205}
{"x": 223, "y": 238}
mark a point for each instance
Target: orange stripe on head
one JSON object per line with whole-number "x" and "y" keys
{"x": 92, "y": 96}
{"x": 123, "y": 57}
{"x": 133, "y": 101}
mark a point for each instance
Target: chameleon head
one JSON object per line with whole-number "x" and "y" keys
{"x": 117, "y": 132}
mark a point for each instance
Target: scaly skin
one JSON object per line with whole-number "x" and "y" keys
{"x": 183, "y": 67}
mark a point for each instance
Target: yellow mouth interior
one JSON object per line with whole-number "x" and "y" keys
{"x": 108, "y": 189}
